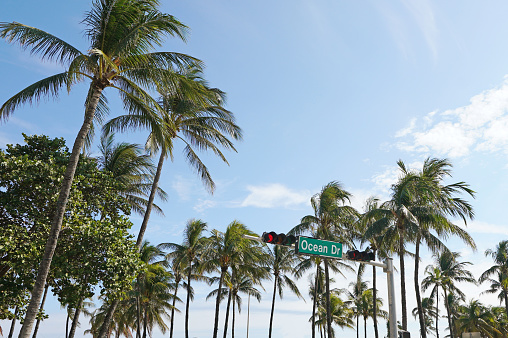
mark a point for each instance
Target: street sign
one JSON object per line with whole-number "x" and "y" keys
{"x": 318, "y": 247}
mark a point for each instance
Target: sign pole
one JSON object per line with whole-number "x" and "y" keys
{"x": 392, "y": 314}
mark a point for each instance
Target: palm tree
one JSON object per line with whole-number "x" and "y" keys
{"x": 475, "y": 317}
{"x": 444, "y": 274}
{"x": 122, "y": 34}
{"x": 376, "y": 244}
{"x": 177, "y": 266}
{"x": 431, "y": 209}
{"x": 242, "y": 283}
{"x": 152, "y": 292}
{"x": 200, "y": 124}
{"x": 500, "y": 268}
{"x": 333, "y": 221}
{"x": 429, "y": 312}
{"x": 420, "y": 203}
{"x": 227, "y": 249}
{"x": 359, "y": 287}
{"x": 134, "y": 170}
{"x": 189, "y": 253}
{"x": 282, "y": 261}
{"x": 497, "y": 284}
{"x": 341, "y": 313}
{"x": 365, "y": 308}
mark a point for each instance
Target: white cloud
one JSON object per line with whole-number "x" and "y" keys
{"x": 480, "y": 126}
{"x": 202, "y": 205}
{"x": 274, "y": 196}
{"x": 486, "y": 228}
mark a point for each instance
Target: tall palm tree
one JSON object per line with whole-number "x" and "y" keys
{"x": 333, "y": 221}
{"x": 446, "y": 272}
{"x": 282, "y": 262}
{"x": 189, "y": 253}
{"x": 500, "y": 268}
{"x": 227, "y": 249}
{"x": 432, "y": 206}
{"x": 420, "y": 203}
{"x": 358, "y": 288}
{"x": 376, "y": 244}
{"x": 122, "y": 36}
{"x": 191, "y": 112}
{"x": 133, "y": 169}
{"x": 200, "y": 124}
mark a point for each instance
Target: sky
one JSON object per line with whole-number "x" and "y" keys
{"x": 323, "y": 91}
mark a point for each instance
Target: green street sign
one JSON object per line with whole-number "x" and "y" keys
{"x": 318, "y": 247}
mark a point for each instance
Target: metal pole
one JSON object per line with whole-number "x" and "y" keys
{"x": 248, "y": 316}
{"x": 392, "y": 314}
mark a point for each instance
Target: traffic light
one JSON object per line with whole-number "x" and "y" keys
{"x": 362, "y": 256}
{"x": 279, "y": 239}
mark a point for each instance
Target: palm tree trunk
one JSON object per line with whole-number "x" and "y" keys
{"x": 188, "y": 301}
{"x": 36, "y": 329}
{"x": 227, "y": 315}
{"x": 449, "y": 315}
{"x": 437, "y": 312}
{"x": 248, "y": 316}
{"x": 365, "y": 326}
{"x": 177, "y": 282}
{"x": 423, "y": 331}
{"x": 374, "y": 294}
{"x": 357, "y": 324}
{"x": 145, "y": 321}
{"x": 149, "y": 204}
{"x": 56, "y": 225}
{"x": 67, "y": 324}
{"x": 77, "y": 312}
{"x": 108, "y": 319}
{"x": 138, "y": 312}
{"x": 505, "y": 301}
{"x": 403, "y": 281}
{"x": 217, "y": 303}
{"x": 13, "y": 323}
{"x": 314, "y": 303}
{"x": 233, "y": 320}
{"x": 273, "y": 305}
{"x": 328, "y": 306}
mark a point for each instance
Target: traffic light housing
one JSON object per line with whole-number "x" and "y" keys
{"x": 362, "y": 256}
{"x": 278, "y": 239}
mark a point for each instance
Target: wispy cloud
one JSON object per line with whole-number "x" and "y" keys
{"x": 482, "y": 125}
{"x": 424, "y": 16}
{"x": 275, "y": 196}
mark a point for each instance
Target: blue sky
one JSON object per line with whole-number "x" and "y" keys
{"x": 323, "y": 90}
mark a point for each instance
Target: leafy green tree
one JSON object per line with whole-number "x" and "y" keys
{"x": 333, "y": 221}
{"x": 500, "y": 269}
{"x": 189, "y": 253}
{"x": 122, "y": 35}
{"x": 91, "y": 252}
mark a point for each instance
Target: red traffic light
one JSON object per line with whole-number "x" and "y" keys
{"x": 278, "y": 239}
{"x": 362, "y": 256}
